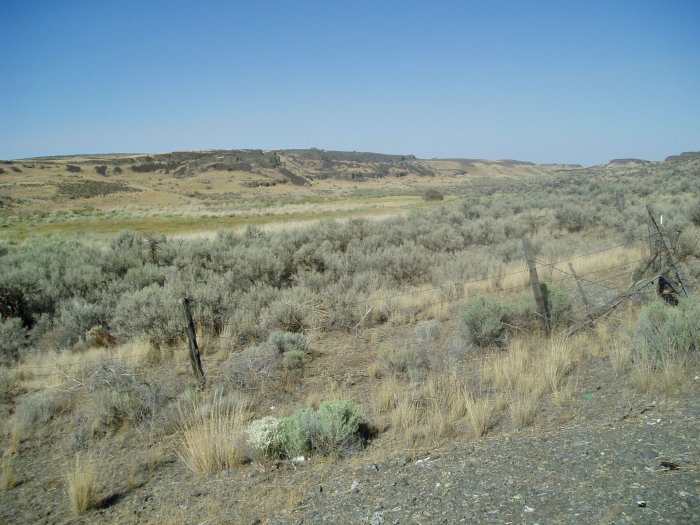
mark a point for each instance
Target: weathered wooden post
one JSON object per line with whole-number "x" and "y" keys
{"x": 536, "y": 289}
{"x": 194, "y": 350}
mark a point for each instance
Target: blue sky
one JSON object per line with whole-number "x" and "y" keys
{"x": 546, "y": 81}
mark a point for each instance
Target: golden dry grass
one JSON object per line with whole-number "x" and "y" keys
{"x": 527, "y": 372}
{"x": 661, "y": 376}
{"x": 479, "y": 412}
{"x": 63, "y": 369}
{"x": 555, "y": 363}
{"x": 8, "y": 473}
{"x": 437, "y": 408}
{"x": 524, "y": 401}
{"x": 212, "y": 435}
{"x": 620, "y": 356}
{"x": 82, "y": 483}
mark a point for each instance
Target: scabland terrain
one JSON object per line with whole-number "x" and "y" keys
{"x": 385, "y": 287}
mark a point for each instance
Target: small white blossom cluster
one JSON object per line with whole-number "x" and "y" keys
{"x": 266, "y": 436}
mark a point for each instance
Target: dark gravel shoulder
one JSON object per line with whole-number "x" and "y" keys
{"x": 641, "y": 468}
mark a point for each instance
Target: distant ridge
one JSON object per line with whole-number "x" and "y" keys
{"x": 684, "y": 156}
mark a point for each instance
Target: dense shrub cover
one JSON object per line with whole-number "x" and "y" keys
{"x": 254, "y": 282}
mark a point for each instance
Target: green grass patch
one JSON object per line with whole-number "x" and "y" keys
{"x": 108, "y": 223}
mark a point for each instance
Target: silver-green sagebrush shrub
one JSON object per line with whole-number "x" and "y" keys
{"x": 299, "y": 430}
{"x": 293, "y": 360}
{"x": 338, "y": 425}
{"x": 663, "y": 330}
{"x": 482, "y": 322}
{"x": 286, "y": 341}
{"x": 9, "y": 384}
{"x": 571, "y": 217}
{"x": 76, "y": 317}
{"x": 13, "y": 340}
{"x": 334, "y": 427}
{"x": 291, "y": 312}
{"x": 35, "y": 408}
{"x": 428, "y": 331}
{"x": 405, "y": 361}
{"x": 153, "y": 312}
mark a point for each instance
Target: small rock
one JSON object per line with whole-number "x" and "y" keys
{"x": 528, "y": 509}
{"x": 376, "y": 519}
{"x": 318, "y": 489}
{"x": 641, "y": 503}
{"x": 669, "y": 465}
{"x": 355, "y": 487}
{"x": 372, "y": 467}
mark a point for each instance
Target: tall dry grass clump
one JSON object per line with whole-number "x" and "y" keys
{"x": 660, "y": 375}
{"x": 8, "y": 474}
{"x": 620, "y": 356}
{"x": 524, "y": 401}
{"x": 82, "y": 483}
{"x": 479, "y": 411}
{"x": 437, "y": 408}
{"x": 526, "y": 373}
{"x": 213, "y": 434}
{"x": 555, "y": 363}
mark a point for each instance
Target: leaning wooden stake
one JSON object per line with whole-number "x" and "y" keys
{"x": 580, "y": 288}
{"x": 194, "y": 350}
{"x": 536, "y": 289}
{"x": 677, "y": 267}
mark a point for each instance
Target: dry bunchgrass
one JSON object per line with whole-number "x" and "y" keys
{"x": 620, "y": 356}
{"x": 155, "y": 456}
{"x": 658, "y": 375}
{"x": 388, "y": 395}
{"x": 524, "y": 374}
{"x": 597, "y": 261}
{"x": 436, "y": 409}
{"x": 212, "y": 435}
{"x": 8, "y": 384}
{"x": 313, "y": 400}
{"x": 555, "y": 362}
{"x": 503, "y": 371}
{"x": 30, "y": 411}
{"x": 524, "y": 401}
{"x": 405, "y": 415}
{"x": 8, "y": 474}
{"x": 82, "y": 483}
{"x": 67, "y": 370}
{"x": 374, "y": 370}
{"x": 479, "y": 411}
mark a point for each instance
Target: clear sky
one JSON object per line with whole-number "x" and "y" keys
{"x": 580, "y": 81}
